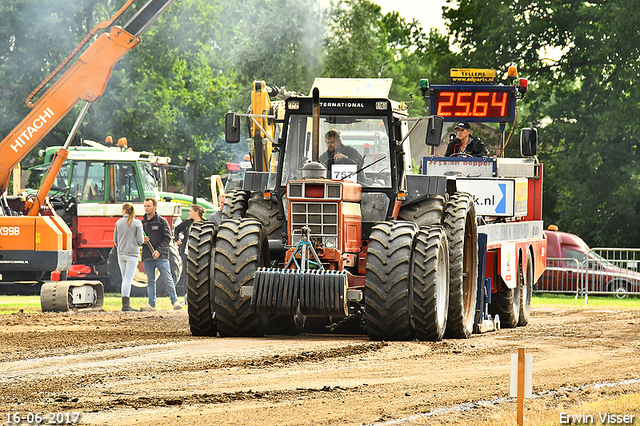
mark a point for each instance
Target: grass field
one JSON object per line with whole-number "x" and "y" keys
{"x": 113, "y": 302}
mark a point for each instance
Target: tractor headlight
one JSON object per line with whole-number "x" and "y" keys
{"x": 330, "y": 242}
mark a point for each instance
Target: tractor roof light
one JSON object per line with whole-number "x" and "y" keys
{"x": 122, "y": 143}
{"x": 523, "y": 86}
{"x": 424, "y": 87}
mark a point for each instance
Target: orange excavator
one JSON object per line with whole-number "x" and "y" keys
{"x": 33, "y": 239}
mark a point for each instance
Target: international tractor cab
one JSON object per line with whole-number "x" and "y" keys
{"x": 505, "y": 193}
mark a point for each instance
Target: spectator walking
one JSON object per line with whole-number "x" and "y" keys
{"x": 127, "y": 238}
{"x": 181, "y": 237}
{"x": 155, "y": 254}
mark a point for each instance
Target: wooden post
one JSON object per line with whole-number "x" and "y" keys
{"x": 520, "y": 387}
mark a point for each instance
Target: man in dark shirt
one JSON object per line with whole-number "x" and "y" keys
{"x": 338, "y": 153}
{"x": 464, "y": 143}
{"x": 155, "y": 254}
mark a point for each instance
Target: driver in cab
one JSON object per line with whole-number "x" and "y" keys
{"x": 464, "y": 143}
{"x": 338, "y": 153}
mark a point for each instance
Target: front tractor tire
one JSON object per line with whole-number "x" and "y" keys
{"x": 266, "y": 212}
{"x": 431, "y": 283}
{"x": 241, "y": 248}
{"x": 115, "y": 275}
{"x": 199, "y": 272}
{"x": 388, "y": 281}
{"x": 459, "y": 222}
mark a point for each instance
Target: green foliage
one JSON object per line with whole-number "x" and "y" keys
{"x": 356, "y": 41}
{"x": 283, "y": 49}
{"x": 363, "y": 43}
{"x": 590, "y": 95}
{"x": 35, "y": 37}
{"x": 169, "y": 95}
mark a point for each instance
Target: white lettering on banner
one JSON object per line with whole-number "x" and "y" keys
{"x": 37, "y": 124}
{"x": 342, "y": 104}
{"x": 500, "y": 232}
{"x": 10, "y": 231}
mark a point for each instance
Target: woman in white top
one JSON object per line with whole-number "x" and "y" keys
{"x": 128, "y": 237}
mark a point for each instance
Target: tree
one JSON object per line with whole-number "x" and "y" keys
{"x": 589, "y": 94}
{"x": 170, "y": 94}
{"x": 283, "y": 49}
{"x": 35, "y": 37}
{"x": 363, "y": 43}
{"x": 356, "y": 41}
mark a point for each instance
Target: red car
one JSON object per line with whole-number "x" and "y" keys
{"x": 573, "y": 268}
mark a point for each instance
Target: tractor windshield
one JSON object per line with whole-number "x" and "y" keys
{"x": 364, "y": 138}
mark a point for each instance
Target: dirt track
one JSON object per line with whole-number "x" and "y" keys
{"x": 145, "y": 368}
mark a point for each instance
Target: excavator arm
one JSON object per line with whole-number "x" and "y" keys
{"x": 85, "y": 79}
{"x": 31, "y": 245}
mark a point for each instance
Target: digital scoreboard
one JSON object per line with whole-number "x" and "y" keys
{"x": 474, "y": 102}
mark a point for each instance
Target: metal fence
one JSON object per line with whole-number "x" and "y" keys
{"x": 602, "y": 271}
{"x": 564, "y": 276}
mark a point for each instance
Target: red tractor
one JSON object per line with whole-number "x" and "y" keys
{"x": 361, "y": 241}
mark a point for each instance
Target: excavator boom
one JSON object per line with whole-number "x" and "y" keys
{"x": 31, "y": 245}
{"x": 86, "y": 79}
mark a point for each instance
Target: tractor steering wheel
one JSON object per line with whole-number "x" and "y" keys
{"x": 462, "y": 155}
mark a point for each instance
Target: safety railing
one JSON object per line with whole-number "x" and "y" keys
{"x": 612, "y": 271}
{"x": 603, "y": 271}
{"x": 564, "y": 276}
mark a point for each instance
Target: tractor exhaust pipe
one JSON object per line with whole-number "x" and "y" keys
{"x": 315, "y": 132}
{"x": 314, "y": 169}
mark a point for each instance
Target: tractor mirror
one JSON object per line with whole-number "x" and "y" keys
{"x": 528, "y": 142}
{"x": 232, "y": 128}
{"x": 434, "y": 131}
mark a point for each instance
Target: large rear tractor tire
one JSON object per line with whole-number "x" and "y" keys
{"x": 199, "y": 273}
{"x": 507, "y": 303}
{"x": 424, "y": 213}
{"x": 388, "y": 281}
{"x": 266, "y": 212}
{"x": 459, "y": 222}
{"x": 430, "y": 283}
{"x": 241, "y": 248}
{"x": 527, "y": 289}
{"x": 235, "y": 205}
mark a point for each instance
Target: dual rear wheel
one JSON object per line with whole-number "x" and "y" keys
{"x": 406, "y": 282}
